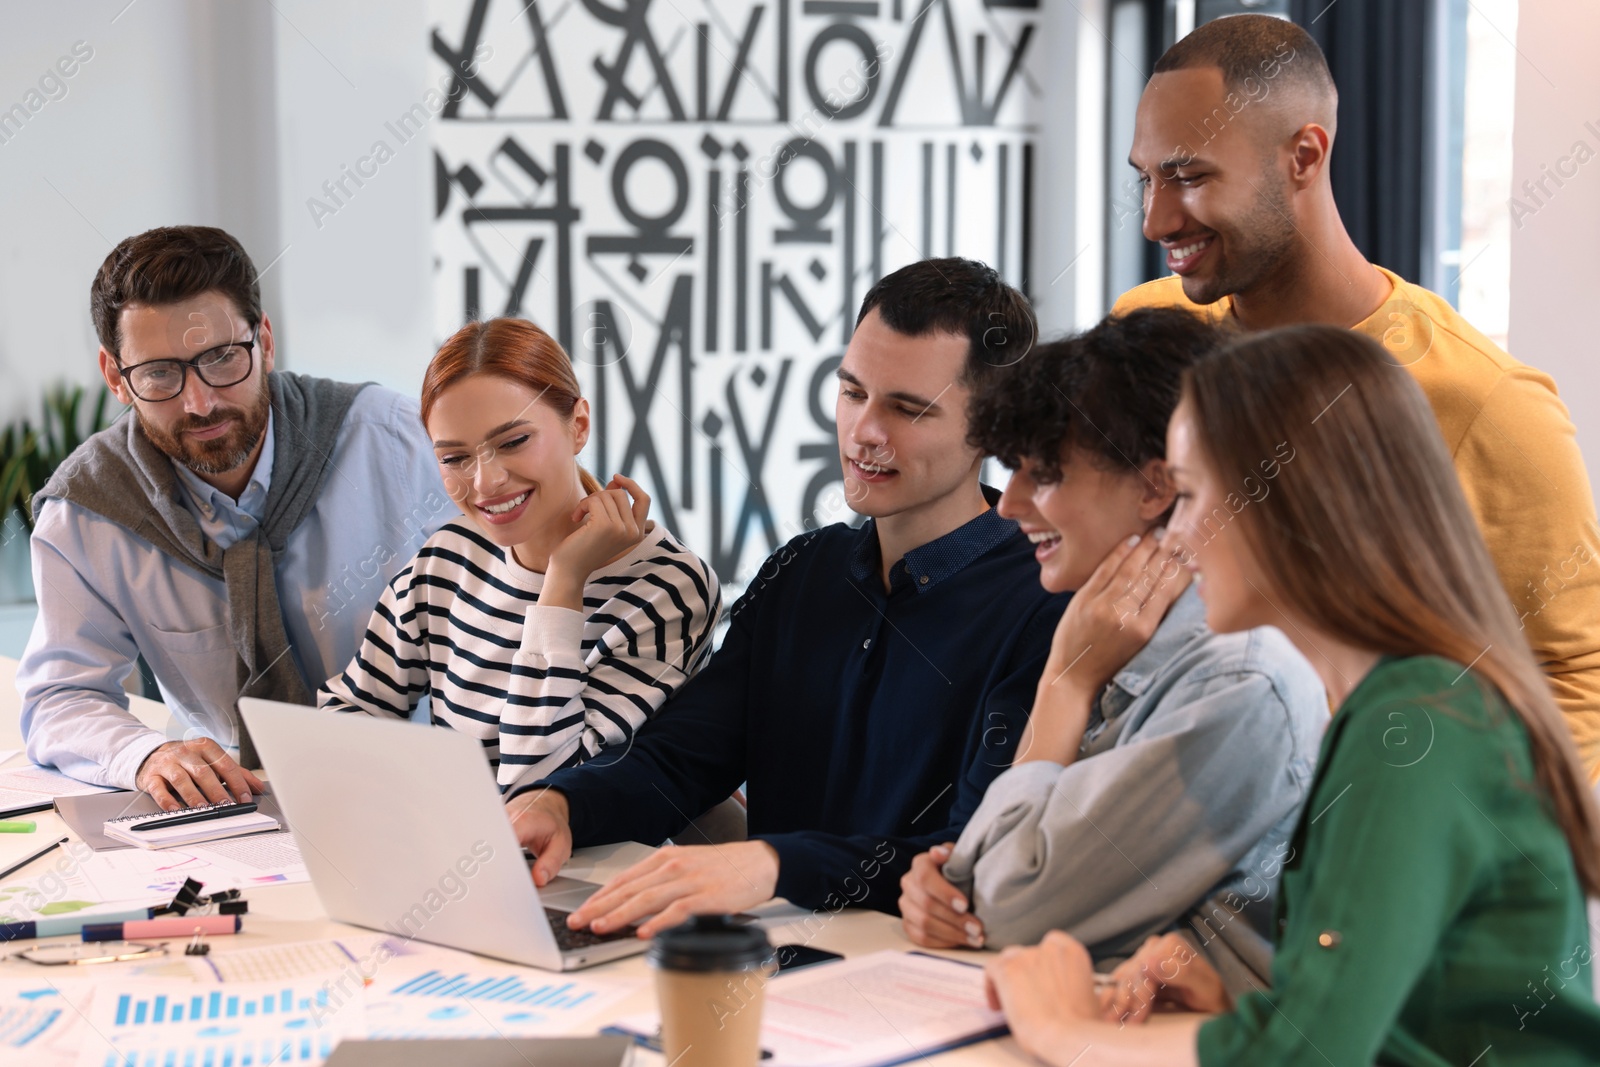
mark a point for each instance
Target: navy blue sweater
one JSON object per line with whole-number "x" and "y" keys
{"x": 866, "y": 725}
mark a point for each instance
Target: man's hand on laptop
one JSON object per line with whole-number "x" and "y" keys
{"x": 680, "y": 881}
{"x": 540, "y": 819}
{"x": 188, "y": 774}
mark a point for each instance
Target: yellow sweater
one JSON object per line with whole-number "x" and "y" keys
{"x": 1516, "y": 453}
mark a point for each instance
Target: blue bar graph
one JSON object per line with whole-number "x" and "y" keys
{"x": 264, "y": 1052}
{"x": 138, "y": 1011}
{"x": 505, "y": 990}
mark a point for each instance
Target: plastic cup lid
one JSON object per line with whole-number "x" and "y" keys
{"x": 711, "y": 943}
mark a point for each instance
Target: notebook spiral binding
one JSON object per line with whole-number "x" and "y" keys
{"x": 172, "y": 814}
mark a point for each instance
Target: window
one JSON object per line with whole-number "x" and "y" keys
{"x": 1477, "y": 265}
{"x": 1433, "y": 130}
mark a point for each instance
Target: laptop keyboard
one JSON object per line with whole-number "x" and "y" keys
{"x": 568, "y": 938}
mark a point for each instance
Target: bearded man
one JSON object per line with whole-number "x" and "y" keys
{"x": 235, "y": 530}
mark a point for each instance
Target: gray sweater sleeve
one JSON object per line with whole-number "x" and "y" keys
{"x": 1120, "y": 844}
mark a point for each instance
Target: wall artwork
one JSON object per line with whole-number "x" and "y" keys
{"x": 694, "y": 195}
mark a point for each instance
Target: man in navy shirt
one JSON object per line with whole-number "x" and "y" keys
{"x": 873, "y": 681}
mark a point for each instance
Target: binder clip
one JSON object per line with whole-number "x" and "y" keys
{"x": 197, "y": 947}
{"x": 188, "y": 897}
{"x": 223, "y": 902}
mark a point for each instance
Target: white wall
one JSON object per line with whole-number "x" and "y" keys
{"x": 1555, "y": 274}
{"x": 125, "y": 149}
{"x": 229, "y": 113}
{"x": 357, "y": 296}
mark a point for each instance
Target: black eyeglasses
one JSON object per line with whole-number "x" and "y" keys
{"x": 162, "y": 379}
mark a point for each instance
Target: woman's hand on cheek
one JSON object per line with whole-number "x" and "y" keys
{"x": 1115, "y": 613}
{"x": 1108, "y": 621}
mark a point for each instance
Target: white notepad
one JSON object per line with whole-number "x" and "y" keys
{"x": 187, "y": 833}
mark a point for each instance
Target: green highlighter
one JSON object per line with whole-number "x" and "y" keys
{"x": 14, "y": 827}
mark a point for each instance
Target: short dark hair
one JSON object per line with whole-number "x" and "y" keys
{"x": 1248, "y": 47}
{"x": 959, "y": 296}
{"x": 1109, "y": 392}
{"x": 169, "y": 264}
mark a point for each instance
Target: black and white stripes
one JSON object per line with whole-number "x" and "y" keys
{"x": 541, "y": 687}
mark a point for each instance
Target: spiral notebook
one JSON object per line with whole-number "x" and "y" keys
{"x": 127, "y": 828}
{"x": 87, "y": 816}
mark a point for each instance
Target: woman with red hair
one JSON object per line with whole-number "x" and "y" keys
{"x": 554, "y": 617}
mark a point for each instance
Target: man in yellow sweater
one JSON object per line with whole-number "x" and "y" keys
{"x": 1232, "y": 143}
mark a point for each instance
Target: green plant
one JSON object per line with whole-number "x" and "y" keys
{"x": 28, "y": 456}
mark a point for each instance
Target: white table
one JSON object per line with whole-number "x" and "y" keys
{"x": 285, "y": 914}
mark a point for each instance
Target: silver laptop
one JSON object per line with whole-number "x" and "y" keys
{"x": 404, "y": 831}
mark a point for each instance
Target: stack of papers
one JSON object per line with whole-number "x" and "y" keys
{"x": 874, "y": 1010}
{"x": 156, "y": 1022}
{"x": 42, "y": 1020}
{"x": 449, "y": 994}
{"x": 246, "y": 863}
{"x": 293, "y": 1004}
{"x": 78, "y": 881}
{"x": 36, "y": 788}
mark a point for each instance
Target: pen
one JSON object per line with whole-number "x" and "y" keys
{"x": 162, "y": 820}
{"x": 136, "y": 928}
{"x": 12, "y": 827}
{"x": 57, "y": 925}
{"x": 29, "y": 859}
{"x": 29, "y": 809}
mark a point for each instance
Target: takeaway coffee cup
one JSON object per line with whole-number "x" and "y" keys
{"x": 710, "y": 976}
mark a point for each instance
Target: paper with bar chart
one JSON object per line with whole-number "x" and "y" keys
{"x": 183, "y": 1024}
{"x": 65, "y": 891}
{"x": 41, "y": 1021}
{"x": 445, "y": 1001}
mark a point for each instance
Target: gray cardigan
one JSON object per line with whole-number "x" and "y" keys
{"x": 1194, "y": 767}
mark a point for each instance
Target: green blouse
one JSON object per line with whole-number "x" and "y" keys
{"x": 1429, "y": 912}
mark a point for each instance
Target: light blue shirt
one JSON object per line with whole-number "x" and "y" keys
{"x": 107, "y": 596}
{"x": 221, "y": 518}
{"x": 1197, "y": 758}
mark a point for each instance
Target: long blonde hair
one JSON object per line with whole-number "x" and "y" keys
{"x": 1369, "y": 534}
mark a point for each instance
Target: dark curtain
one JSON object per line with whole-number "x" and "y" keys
{"x": 1381, "y": 56}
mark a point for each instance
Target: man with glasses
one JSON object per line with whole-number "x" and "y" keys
{"x": 235, "y": 531}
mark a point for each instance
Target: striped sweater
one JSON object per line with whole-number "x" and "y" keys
{"x": 541, "y": 687}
